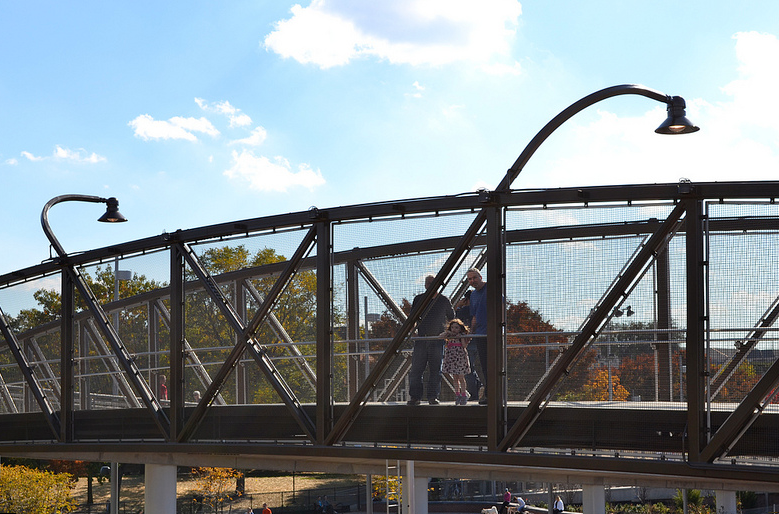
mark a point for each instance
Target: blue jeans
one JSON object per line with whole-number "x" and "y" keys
{"x": 426, "y": 353}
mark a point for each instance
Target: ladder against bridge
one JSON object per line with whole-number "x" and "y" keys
{"x": 393, "y": 481}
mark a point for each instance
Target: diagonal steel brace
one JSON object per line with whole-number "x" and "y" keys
{"x": 246, "y": 340}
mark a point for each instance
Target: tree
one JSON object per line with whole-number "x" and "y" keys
{"x": 24, "y": 490}
{"x": 597, "y": 388}
{"x": 213, "y": 485}
{"x": 740, "y": 383}
{"x": 535, "y": 349}
{"x": 295, "y": 310}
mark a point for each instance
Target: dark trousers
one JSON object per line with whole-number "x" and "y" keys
{"x": 478, "y": 347}
{"x": 427, "y": 354}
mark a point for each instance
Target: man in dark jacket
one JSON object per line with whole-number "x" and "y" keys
{"x": 429, "y": 353}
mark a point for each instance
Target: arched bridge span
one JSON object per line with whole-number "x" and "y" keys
{"x": 630, "y": 334}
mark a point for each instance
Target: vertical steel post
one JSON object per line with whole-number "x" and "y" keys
{"x": 177, "y": 334}
{"x": 241, "y": 394}
{"x": 66, "y": 356}
{"x": 83, "y": 350}
{"x": 496, "y": 368}
{"x": 696, "y": 370}
{"x": 664, "y": 371}
{"x": 324, "y": 347}
{"x": 154, "y": 340}
{"x": 353, "y": 327}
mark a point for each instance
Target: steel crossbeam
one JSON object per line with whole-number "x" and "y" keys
{"x": 189, "y": 352}
{"x": 120, "y": 352}
{"x": 563, "y": 366}
{"x": 347, "y": 418}
{"x": 32, "y": 381}
{"x": 297, "y": 357}
{"x": 246, "y": 339}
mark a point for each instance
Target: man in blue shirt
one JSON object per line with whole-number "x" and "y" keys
{"x": 479, "y": 323}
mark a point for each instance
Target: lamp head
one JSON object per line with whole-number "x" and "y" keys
{"x": 112, "y": 214}
{"x": 676, "y": 122}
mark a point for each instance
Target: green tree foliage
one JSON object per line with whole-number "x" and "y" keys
{"x": 102, "y": 285}
{"x": 295, "y": 311}
{"x": 30, "y": 491}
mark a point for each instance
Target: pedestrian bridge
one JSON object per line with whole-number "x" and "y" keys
{"x": 630, "y": 339}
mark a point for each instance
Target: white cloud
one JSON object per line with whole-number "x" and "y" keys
{"x": 77, "y": 155}
{"x": 417, "y": 90}
{"x": 31, "y": 157}
{"x": 738, "y": 140}
{"x": 65, "y": 154}
{"x": 331, "y": 33}
{"x": 262, "y": 174}
{"x": 12, "y": 161}
{"x": 178, "y": 127}
{"x": 256, "y": 138}
{"x": 236, "y": 117}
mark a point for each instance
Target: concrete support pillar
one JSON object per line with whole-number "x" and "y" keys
{"x": 369, "y": 494}
{"x": 414, "y": 491}
{"x": 160, "y": 482}
{"x": 726, "y": 502}
{"x": 593, "y": 499}
{"x": 114, "y": 501}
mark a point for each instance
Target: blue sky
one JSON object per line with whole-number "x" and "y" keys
{"x": 194, "y": 113}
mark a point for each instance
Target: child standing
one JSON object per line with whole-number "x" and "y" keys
{"x": 456, "y": 361}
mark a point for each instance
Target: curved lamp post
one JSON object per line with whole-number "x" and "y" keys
{"x": 112, "y": 214}
{"x": 675, "y": 123}
{"x": 71, "y": 277}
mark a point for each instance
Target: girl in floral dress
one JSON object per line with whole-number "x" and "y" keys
{"x": 456, "y": 362}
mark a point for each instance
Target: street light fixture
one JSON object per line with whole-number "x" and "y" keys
{"x": 675, "y": 123}
{"x": 112, "y": 214}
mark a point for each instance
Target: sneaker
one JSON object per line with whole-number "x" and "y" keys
{"x": 413, "y": 401}
{"x": 433, "y": 401}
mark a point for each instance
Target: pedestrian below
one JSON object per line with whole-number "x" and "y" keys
{"x": 520, "y": 504}
{"x": 428, "y": 353}
{"x": 326, "y": 506}
{"x": 196, "y": 396}
{"x": 478, "y": 307}
{"x": 506, "y": 501}
{"x": 163, "y": 387}
{"x": 266, "y": 509}
{"x": 559, "y": 506}
{"x": 456, "y": 361}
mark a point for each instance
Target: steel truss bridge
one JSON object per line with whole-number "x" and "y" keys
{"x": 631, "y": 340}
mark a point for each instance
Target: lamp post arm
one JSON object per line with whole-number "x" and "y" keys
{"x": 54, "y": 201}
{"x": 579, "y": 105}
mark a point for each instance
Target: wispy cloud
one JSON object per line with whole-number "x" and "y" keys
{"x": 256, "y": 138}
{"x": 236, "y": 117}
{"x": 262, "y": 174}
{"x": 64, "y": 154}
{"x": 417, "y": 32}
{"x": 147, "y": 128}
{"x": 418, "y": 88}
